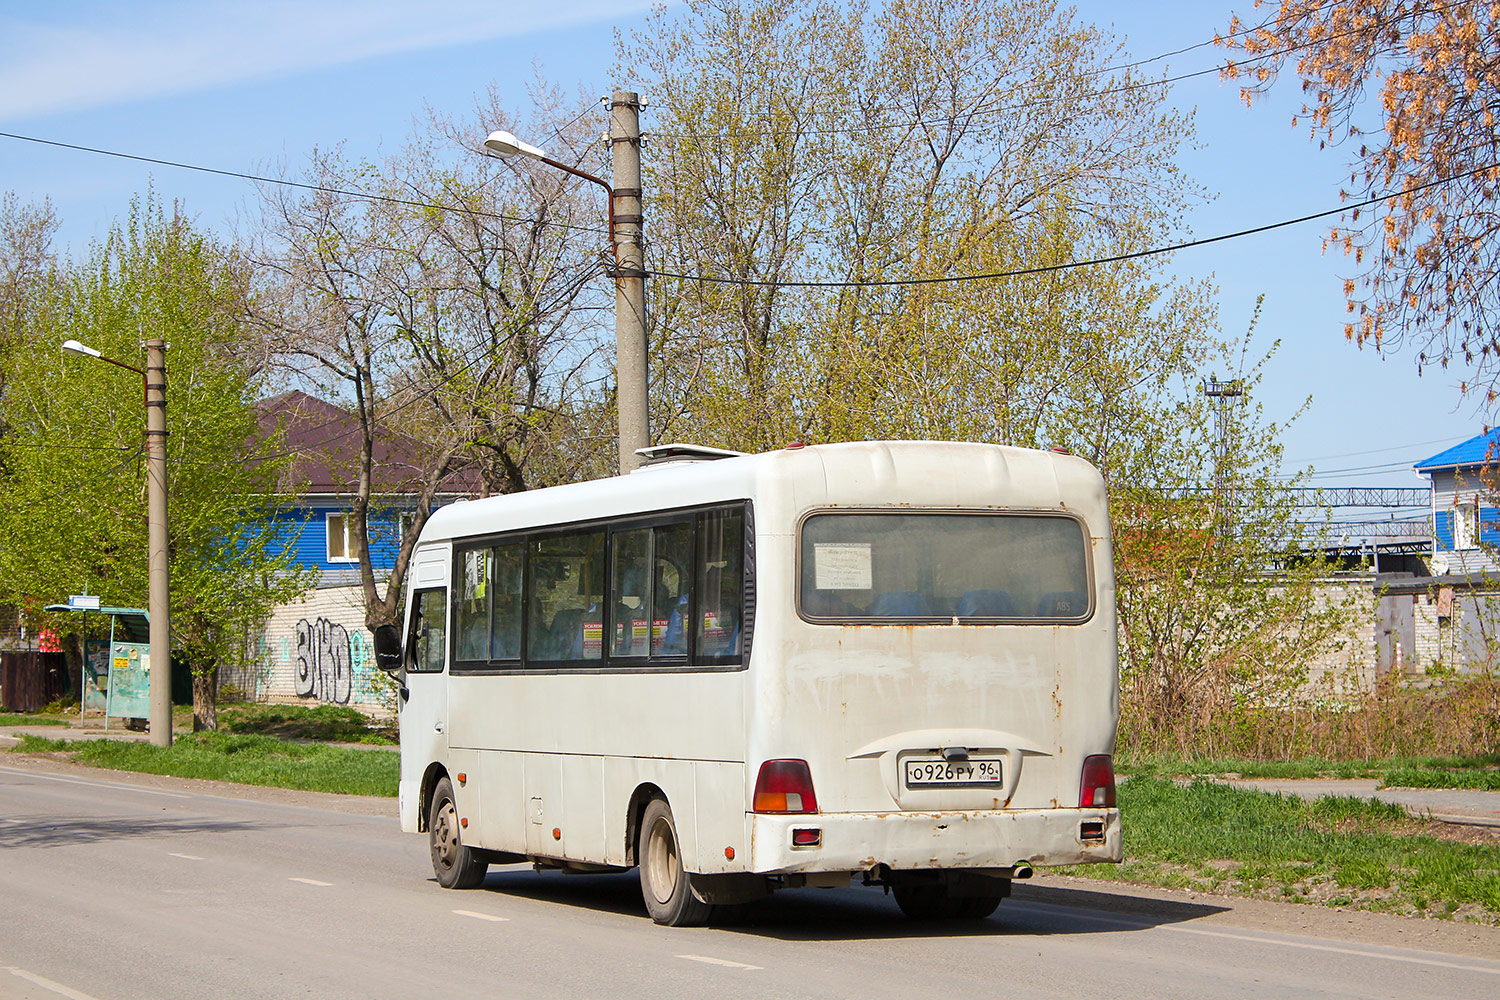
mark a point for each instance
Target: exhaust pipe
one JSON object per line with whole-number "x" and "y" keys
{"x": 1021, "y": 869}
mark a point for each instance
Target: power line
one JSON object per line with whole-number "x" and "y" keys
{"x": 72, "y": 488}
{"x": 1373, "y": 451}
{"x": 421, "y": 391}
{"x": 1069, "y": 265}
{"x": 301, "y": 185}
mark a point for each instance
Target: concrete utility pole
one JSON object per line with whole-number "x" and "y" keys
{"x": 154, "y": 378}
{"x": 156, "y": 519}
{"x": 630, "y": 276}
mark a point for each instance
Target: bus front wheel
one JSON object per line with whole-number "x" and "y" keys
{"x": 455, "y": 865}
{"x": 665, "y": 886}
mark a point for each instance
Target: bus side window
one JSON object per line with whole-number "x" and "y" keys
{"x": 669, "y": 607}
{"x": 719, "y": 584}
{"x": 427, "y": 645}
{"x": 472, "y": 611}
{"x": 505, "y": 629}
{"x": 567, "y": 584}
{"x": 630, "y": 606}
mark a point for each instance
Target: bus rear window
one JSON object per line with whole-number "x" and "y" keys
{"x": 941, "y": 566}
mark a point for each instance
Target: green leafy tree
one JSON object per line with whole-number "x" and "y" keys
{"x": 1223, "y": 607}
{"x": 72, "y": 457}
{"x": 886, "y": 152}
{"x": 924, "y": 141}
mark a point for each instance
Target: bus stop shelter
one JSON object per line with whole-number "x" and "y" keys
{"x": 115, "y": 676}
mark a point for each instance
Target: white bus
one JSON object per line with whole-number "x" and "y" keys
{"x": 885, "y": 662}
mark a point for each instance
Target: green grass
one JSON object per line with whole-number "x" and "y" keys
{"x": 1413, "y": 777}
{"x": 326, "y": 723}
{"x": 22, "y": 719}
{"x": 246, "y": 759}
{"x": 1337, "y": 851}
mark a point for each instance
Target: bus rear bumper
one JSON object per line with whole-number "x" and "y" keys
{"x": 902, "y": 841}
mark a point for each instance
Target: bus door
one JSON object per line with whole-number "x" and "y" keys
{"x": 424, "y": 711}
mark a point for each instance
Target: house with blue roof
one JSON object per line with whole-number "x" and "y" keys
{"x": 1465, "y": 505}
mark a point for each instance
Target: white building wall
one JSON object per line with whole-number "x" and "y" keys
{"x": 314, "y": 651}
{"x": 1450, "y": 488}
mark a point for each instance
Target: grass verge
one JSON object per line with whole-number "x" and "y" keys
{"x": 329, "y": 723}
{"x": 1412, "y": 777}
{"x": 1333, "y": 851}
{"x": 8, "y": 719}
{"x": 246, "y": 759}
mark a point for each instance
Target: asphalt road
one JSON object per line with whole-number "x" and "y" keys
{"x": 114, "y": 888}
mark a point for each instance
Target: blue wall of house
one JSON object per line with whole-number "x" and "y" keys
{"x": 309, "y": 527}
{"x": 1489, "y": 528}
{"x": 1442, "y": 529}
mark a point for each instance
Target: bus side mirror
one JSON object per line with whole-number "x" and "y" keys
{"x": 388, "y": 648}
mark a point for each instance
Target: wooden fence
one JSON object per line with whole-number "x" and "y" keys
{"x": 30, "y": 680}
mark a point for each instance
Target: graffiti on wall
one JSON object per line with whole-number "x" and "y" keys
{"x": 325, "y": 668}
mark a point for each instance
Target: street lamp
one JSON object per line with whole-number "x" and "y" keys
{"x": 630, "y": 265}
{"x": 154, "y": 379}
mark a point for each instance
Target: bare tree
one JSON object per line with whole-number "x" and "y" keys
{"x": 451, "y": 302}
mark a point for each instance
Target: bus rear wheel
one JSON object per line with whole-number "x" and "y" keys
{"x": 454, "y": 864}
{"x": 665, "y": 886}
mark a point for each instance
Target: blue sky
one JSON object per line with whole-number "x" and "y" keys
{"x": 245, "y": 87}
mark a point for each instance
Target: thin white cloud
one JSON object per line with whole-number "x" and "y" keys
{"x": 139, "y": 51}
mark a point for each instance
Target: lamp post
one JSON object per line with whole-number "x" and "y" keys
{"x": 625, "y": 231}
{"x": 154, "y": 378}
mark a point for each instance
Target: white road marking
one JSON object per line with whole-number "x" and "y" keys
{"x": 1493, "y": 970}
{"x": 726, "y": 963}
{"x": 185, "y": 857}
{"x": 480, "y": 916}
{"x": 92, "y": 784}
{"x": 309, "y": 881}
{"x": 46, "y": 984}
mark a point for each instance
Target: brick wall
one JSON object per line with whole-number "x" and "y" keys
{"x": 314, "y": 651}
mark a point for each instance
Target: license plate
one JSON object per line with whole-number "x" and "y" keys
{"x": 927, "y": 772}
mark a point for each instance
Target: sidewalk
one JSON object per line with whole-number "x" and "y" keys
{"x": 91, "y": 728}
{"x": 1449, "y": 805}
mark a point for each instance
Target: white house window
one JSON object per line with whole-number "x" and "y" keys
{"x": 1466, "y": 526}
{"x": 340, "y": 534}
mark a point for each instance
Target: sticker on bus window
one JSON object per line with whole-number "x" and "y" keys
{"x": 841, "y": 565}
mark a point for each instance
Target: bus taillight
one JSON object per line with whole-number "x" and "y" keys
{"x": 785, "y": 786}
{"x": 1097, "y": 790}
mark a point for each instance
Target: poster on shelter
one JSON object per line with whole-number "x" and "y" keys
{"x": 130, "y": 680}
{"x": 95, "y": 674}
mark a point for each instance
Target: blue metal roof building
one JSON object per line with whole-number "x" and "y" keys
{"x": 1465, "y": 514}
{"x": 1479, "y": 450}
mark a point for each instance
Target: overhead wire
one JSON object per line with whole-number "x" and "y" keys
{"x": 419, "y": 392}
{"x": 1069, "y": 265}
{"x": 301, "y": 185}
{"x": 72, "y": 488}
